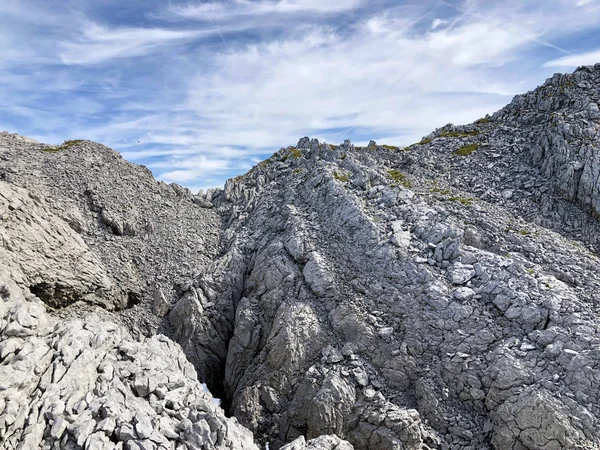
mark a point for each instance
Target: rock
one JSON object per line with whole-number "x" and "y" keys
{"x": 83, "y": 408}
{"x": 464, "y": 294}
{"x": 321, "y": 443}
{"x": 330, "y": 290}
{"x": 143, "y": 428}
{"x": 461, "y": 273}
{"x": 361, "y": 377}
{"x": 160, "y": 306}
{"x": 332, "y": 355}
{"x": 304, "y": 142}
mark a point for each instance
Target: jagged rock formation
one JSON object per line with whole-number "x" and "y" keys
{"x": 144, "y": 238}
{"x": 320, "y": 443}
{"x": 79, "y": 380}
{"x": 88, "y": 384}
{"x": 441, "y": 296}
{"x": 414, "y": 298}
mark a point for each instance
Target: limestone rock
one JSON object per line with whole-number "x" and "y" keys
{"x": 440, "y": 297}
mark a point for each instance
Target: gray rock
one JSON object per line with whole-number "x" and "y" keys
{"x": 331, "y": 442}
{"x": 160, "y": 305}
{"x": 84, "y": 408}
{"x": 458, "y": 277}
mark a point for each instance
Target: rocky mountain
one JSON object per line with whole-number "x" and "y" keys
{"x": 440, "y": 296}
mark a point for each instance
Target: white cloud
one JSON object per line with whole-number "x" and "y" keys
{"x": 572, "y": 61}
{"x": 99, "y": 44}
{"x": 438, "y": 23}
{"x": 382, "y": 77}
{"x": 202, "y": 110}
{"x": 218, "y": 11}
{"x": 186, "y": 170}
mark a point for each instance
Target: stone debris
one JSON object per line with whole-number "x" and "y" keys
{"x": 441, "y": 296}
{"x": 88, "y": 384}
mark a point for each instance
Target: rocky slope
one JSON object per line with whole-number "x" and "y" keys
{"x": 441, "y": 296}
{"x": 147, "y": 238}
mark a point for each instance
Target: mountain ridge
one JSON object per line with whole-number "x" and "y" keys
{"x": 444, "y": 295}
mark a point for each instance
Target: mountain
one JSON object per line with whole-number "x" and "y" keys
{"x": 440, "y": 296}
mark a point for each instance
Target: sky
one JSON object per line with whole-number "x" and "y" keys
{"x": 200, "y": 91}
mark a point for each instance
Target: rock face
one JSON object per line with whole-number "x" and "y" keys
{"x": 437, "y": 296}
{"x": 441, "y": 296}
{"x": 88, "y": 384}
{"x": 139, "y": 236}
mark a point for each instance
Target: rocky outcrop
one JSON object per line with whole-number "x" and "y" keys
{"x": 405, "y": 298}
{"x": 321, "y": 443}
{"x": 439, "y": 296}
{"x": 141, "y": 235}
{"x": 89, "y": 384}
{"x": 44, "y": 255}
{"x": 564, "y": 116}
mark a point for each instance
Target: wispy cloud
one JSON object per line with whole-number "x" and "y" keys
{"x": 438, "y": 23}
{"x": 99, "y": 44}
{"x": 580, "y": 59}
{"x": 218, "y": 11}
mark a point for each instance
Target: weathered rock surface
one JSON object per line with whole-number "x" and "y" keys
{"x": 441, "y": 296}
{"x": 141, "y": 235}
{"x": 89, "y": 384}
{"x": 325, "y": 442}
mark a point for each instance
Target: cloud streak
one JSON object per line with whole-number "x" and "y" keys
{"x": 99, "y": 44}
{"x": 226, "y": 10}
{"x": 580, "y": 59}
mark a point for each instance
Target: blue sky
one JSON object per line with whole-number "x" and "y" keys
{"x": 200, "y": 91}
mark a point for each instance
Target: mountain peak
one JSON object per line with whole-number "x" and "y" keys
{"x": 440, "y": 295}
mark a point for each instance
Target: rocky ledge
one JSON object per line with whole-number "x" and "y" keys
{"x": 443, "y": 295}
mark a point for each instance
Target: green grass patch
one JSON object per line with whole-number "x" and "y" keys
{"x": 292, "y": 152}
{"x": 438, "y": 190}
{"x": 466, "y": 150}
{"x": 521, "y": 231}
{"x": 344, "y": 178}
{"x": 390, "y": 147}
{"x": 462, "y": 200}
{"x": 400, "y": 178}
{"x": 65, "y": 145}
{"x": 343, "y": 156}
{"x": 483, "y": 120}
{"x": 297, "y": 170}
{"x": 458, "y": 134}
{"x": 424, "y": 141}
